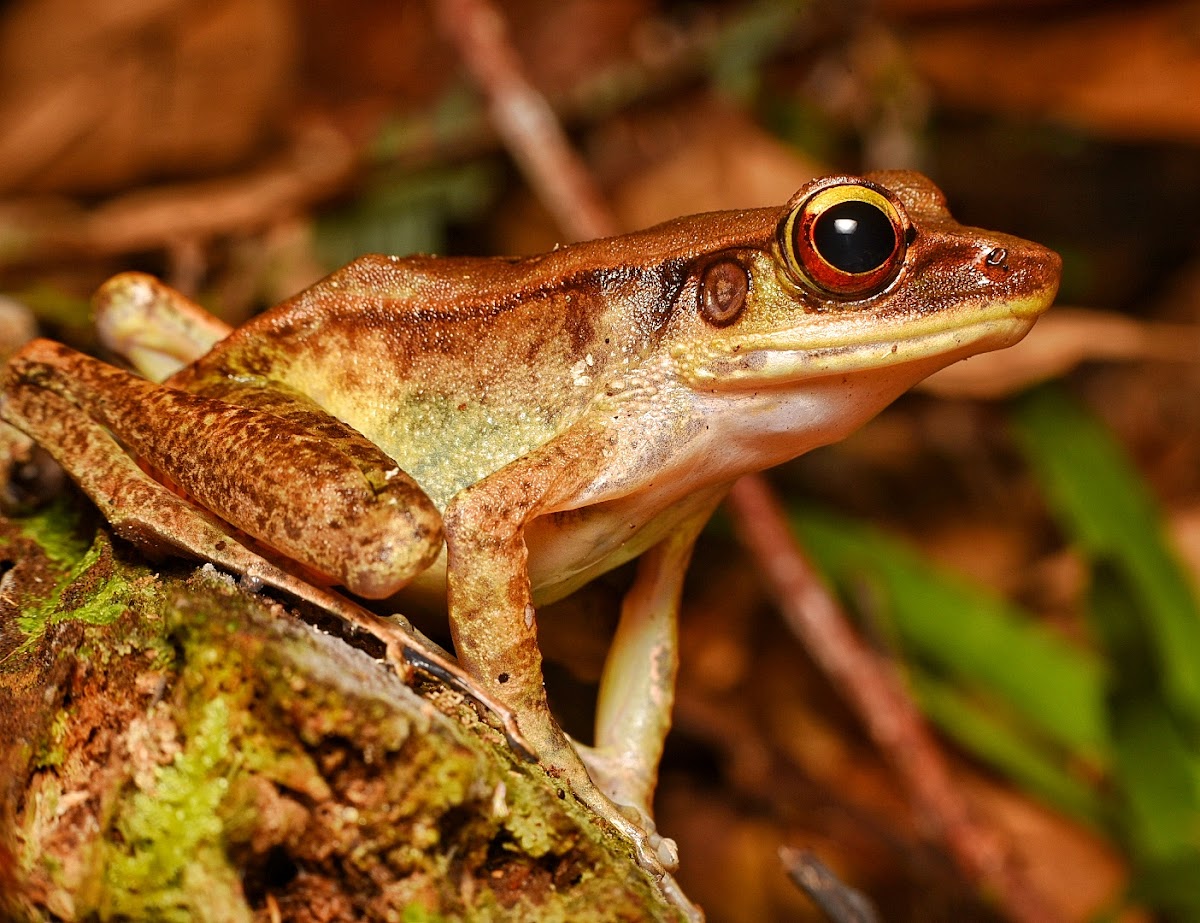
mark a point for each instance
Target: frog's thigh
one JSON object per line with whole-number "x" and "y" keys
{"x": 137, "y": 507}
{"x": 291, "y": 489}
{"x": 306, "y": 416}
{"x": 394, "y": 493}
{"x": 637, "y": 689}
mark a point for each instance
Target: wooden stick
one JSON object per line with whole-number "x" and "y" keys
{"x": 876, "y": 692}
{"x": 525, "y": 120}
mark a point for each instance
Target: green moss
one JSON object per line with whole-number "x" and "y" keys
{"x": 51, "y": 752}
{"x": 391, "y": 791}
{"x": 104, "y": 604}
{"x": 531, "y": 832}
{"x": 39, "y": 815}
{"x": 103, "y": 607}
{"x": 168, "y": 861}
{"x": 272, "y": 755}
{"x": 416, "y": 913}
{"x": 56, "y": 527}
{"x": 217, "y": 665}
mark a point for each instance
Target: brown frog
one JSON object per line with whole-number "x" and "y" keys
{"x": 501, "y": 431}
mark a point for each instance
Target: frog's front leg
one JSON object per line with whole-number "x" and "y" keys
{"x": 492, "y": 617}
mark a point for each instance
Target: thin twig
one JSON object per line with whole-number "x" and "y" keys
{"x": 839, "y": 903}
{"x": 314, "y": 166}
{"x": 525, "y": 120}
{"x": 681, "y": 58}
{"x": 876, "y": 692}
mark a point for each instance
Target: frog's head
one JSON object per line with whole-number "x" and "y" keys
{"x": 863, "y": 274}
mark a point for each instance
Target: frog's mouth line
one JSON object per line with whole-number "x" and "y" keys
{"x": 925, "y": 340}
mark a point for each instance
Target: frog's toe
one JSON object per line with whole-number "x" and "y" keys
{"x": 666, "y": 850}
{"x": 656, "y": 853}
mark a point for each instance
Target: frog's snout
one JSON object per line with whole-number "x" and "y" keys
{"x": 1021, "y": 271}
{"x": 1051, "y": 264}
{"x": 1044, "y": 272}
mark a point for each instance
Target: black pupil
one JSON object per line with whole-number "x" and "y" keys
{"x": 854, "y": 236}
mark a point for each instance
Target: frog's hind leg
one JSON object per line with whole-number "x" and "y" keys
{"x": 65, "y": 401}
{"x": 363, "y": 524}
{"x": 637, "y": 687}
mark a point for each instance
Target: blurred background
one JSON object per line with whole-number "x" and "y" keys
{"x": 1024, "y": 542}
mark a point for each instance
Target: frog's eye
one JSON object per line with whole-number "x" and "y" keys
{"x": 846, "y": 240}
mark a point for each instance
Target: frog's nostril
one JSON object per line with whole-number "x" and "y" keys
{"x": 997, "y": 256}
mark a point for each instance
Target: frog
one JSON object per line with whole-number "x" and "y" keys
{"x": 499, "y": 431}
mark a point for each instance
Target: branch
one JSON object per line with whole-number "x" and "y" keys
{"x": 874, "y": 689}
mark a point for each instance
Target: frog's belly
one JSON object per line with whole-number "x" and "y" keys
{"x": 568, "y": 549}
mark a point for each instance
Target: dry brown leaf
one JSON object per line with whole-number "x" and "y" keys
{"x": 980, "y": 550}
{"x": 1128, "y": 70}
{"x": 1078, "y": 870}
{"x": 17, "y": 326}
{"x": 1185, "y": 533}
{"x": 278, "y": 188}
{"x": 109, "y": 93}
{"x": 1063, "y": 339}
{"x": 722, "y": 159}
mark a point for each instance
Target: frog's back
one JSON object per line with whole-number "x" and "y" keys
{"x": 455, "y": 366}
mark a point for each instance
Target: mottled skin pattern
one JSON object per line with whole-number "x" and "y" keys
{"x": 504, "y": 430}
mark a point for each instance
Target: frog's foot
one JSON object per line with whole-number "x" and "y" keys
{"x": 625, "y": 783}
{"x": 409, "y": 648}
{"x": 560, "y": 759}
{"x": 665, "y": 849}
{"x": 152, "y": 326}
{"x": 654, "y": 853}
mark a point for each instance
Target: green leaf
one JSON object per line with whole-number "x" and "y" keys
{"x": 975, "y": 727}
{"x": 1169, "y": 887}
{"x": 1156, "y": 766}
{"x": 1145, "y": 616}
{"x": 1111, "y": 515}
{"x": 967, "y": 634}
